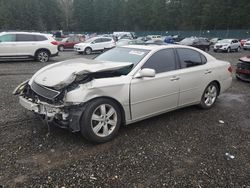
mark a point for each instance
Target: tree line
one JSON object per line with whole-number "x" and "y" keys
{"x": 119, "y": 15}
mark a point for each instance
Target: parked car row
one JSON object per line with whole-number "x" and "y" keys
{"x": 43, "y": 46}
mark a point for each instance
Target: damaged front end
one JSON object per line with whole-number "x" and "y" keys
{"x": 50, "y": 104}
{"x": 50, "y": 92}
{"x": 243, "y": 69}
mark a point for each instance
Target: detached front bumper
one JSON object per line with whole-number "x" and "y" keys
{"x": 43, "y": 108}
{"x": 64, "y": 116}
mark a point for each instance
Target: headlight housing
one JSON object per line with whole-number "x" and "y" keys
{"x": 19, "y": 89}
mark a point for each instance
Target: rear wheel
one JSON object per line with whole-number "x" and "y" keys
{"x": 101, "y": 120}
{"x": 42, "y": 56}
{"x": 209, "y": 96}
{"x": 61, "y": 48}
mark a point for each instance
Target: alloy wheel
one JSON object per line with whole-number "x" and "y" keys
{"x": 43, "y": 56}
{"x": 210, "y": 95}
{"x": 104, "y": 120}
{"x": 88, "y": 51}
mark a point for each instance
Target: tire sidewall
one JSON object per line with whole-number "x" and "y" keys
{"x": 40, "y": 51}
{"x": 85, "y": 122}
{"x": 86, "y": 51}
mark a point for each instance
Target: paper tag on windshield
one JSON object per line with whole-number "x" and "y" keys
{"x": 134, "y": 52}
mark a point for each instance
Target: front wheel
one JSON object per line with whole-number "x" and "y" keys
{"x": 228, "y": 50}
{"x": 88, "y": 51}
{"x": 209, "y": 96}
{"x": 238, "y": 49}
{"x": 42, "y": 56}
{"x": 101, "y": 120}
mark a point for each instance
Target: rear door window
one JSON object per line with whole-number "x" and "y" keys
{"x": 98, "y": 40}
{"x": 25, "y": 38}
{"x": 190, "y": 58}
{"x": 106, "y": 40}
{"x": 40, "y": 38}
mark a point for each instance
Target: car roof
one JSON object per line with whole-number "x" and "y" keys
{"x": 22, "y": 32}
{"x": 101, "y": 37}
{"x": 155, "y": 47}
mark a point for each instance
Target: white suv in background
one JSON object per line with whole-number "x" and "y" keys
{"x": 95, "y": 44}
{"x": 27, "y": 45}
{"x": 227, "y": 45}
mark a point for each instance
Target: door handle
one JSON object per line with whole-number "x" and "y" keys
{"x": 208, "y": 71}
{"x": 175, "y": 78}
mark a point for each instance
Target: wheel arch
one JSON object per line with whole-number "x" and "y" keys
{"x": 218, "y": 85}
{"x": 123, "y": 115}
{"x": 40, "y": 49}
{"x": 88, "y": 47}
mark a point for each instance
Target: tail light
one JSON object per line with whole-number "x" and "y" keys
{"x": 230, "y": 69}
{"x": 54, "y": 43}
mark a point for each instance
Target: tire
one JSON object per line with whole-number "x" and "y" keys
{"x": 61, "y": 48}
{"x": 88, "y": 51}
{"x": 96, "y": 120}
{"x": 238, "y": 49}
{"x": 237, "y": 77}
{"x": 229, "y": 50}
{"x": 209, "y": 96}
{"x": 42, "y": 56}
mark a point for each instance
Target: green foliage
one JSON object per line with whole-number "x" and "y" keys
{"x": 134, "y": 15}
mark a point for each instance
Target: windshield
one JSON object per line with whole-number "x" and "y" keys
{"x": 64, "y": 40}
{"x": 225, "y": 41}
{"x": 120, "y": 54}
{"x": 122, "y": 42}
{"x": 187, "y": 41}
{"x": 89, "y": 40}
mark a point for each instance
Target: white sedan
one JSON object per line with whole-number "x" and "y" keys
{"x": 123, "y": 86}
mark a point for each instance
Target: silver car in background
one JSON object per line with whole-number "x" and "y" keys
{"x": 227, "y": 45}
{"x": 246, "y": 46}
{"x": 123, "y": 86}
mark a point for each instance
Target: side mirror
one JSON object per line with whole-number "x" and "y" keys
{"x": 145, "y": 73}
{"x": 67, "y": 41}
{"x": 93, "y": 42}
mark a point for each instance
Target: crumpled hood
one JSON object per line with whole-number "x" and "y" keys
{"x": 64, "y": 73}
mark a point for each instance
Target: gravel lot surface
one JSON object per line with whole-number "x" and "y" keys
{"x": 184, "y": 148}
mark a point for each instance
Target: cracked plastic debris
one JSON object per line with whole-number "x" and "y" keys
{"x": 221, "y": 122}
{"x": 229, "y": 156}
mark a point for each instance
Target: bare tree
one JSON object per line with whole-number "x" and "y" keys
{"x": 67, "y": 9}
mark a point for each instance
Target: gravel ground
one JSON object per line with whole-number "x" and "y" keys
{"x": 184, "y": 148}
